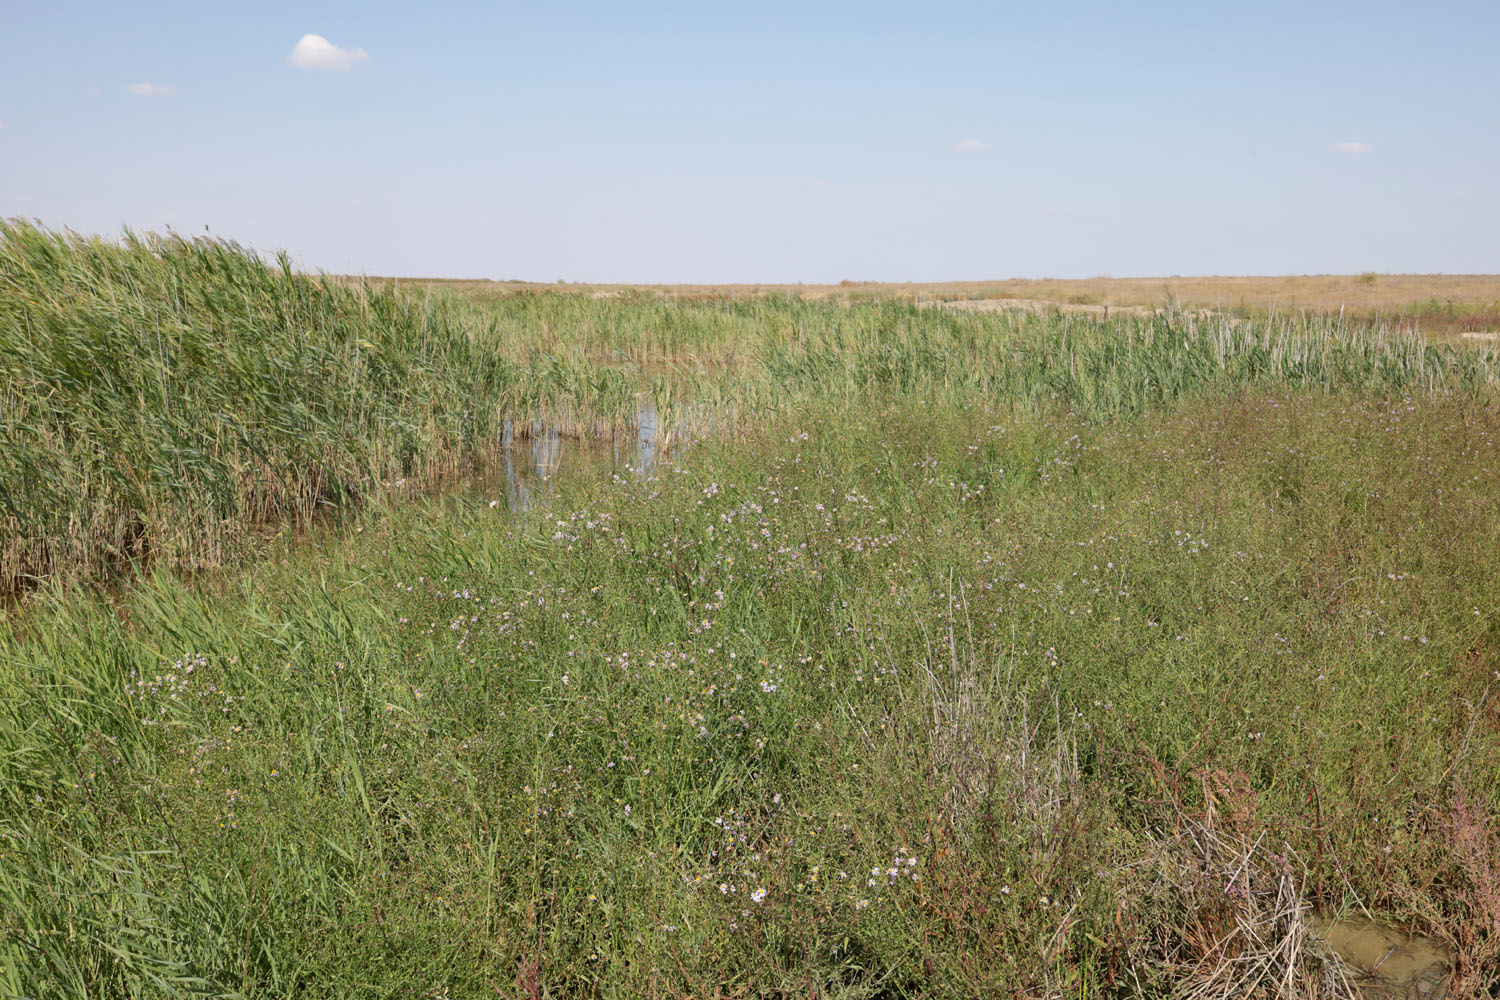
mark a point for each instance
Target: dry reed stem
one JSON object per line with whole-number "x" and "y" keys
{"x": 1241, "y": 929}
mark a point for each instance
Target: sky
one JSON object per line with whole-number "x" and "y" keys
{"x": 768, "y": 141}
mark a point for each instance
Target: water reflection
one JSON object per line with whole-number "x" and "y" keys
{"x": 530, "y": 461}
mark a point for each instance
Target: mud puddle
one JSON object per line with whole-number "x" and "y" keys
{"x": 1391, "y": 964}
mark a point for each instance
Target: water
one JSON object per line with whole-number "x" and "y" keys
{"x": 529, "y": 464}
{"x": 1391, "y": 964}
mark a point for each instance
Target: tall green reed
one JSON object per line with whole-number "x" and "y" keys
{"x": 161, "y": 398}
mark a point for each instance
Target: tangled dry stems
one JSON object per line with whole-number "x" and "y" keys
{"x": 1230, "y": 917}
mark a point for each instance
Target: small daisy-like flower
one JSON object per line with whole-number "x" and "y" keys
{"x": 758, "y": 895}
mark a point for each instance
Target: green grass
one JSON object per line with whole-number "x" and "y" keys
{"x": 167, "y": 400}
{"x": 1023, "y": 608}
{"x": 466, "y": 749}
{"x": 163, "y": 399}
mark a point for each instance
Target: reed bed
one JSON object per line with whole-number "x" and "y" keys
{"x": 162, "y": 398}
{"x": 167, "y": 399}
{"x": 775, "y": 352}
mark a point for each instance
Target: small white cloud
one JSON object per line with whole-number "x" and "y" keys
{"x": 151, "y": 90}
{"x": 93, "y": 91}
{"x": 970, "y": 145}
{"x": 1356, "y": 148}
{"x": 317, "y": 52}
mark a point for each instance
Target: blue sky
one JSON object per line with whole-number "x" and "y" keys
{"x": 769, "y": 141}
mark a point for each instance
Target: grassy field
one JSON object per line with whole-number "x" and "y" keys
{"x": 944, "y": 655}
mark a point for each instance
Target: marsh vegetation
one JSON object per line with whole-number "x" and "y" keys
{"x": 957, "y": 654}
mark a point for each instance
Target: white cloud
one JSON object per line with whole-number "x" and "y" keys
{"x": 317, "y": 52}
{"x": 151, "y": 90}
{"x": 1357, "y": 148}
{"x": 970, "y": 145}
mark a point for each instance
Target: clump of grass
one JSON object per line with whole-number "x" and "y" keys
{"x": 1231, "y": 920}
{"x": 162, "y": 397}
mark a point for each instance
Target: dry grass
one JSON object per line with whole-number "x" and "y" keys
{"x": 1239, "y": 920}
{"x": 1379, "y": 293}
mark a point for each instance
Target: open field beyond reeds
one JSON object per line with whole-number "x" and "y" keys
{"x": 935, "y": 653}
{"x": 1443, "y": 306}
